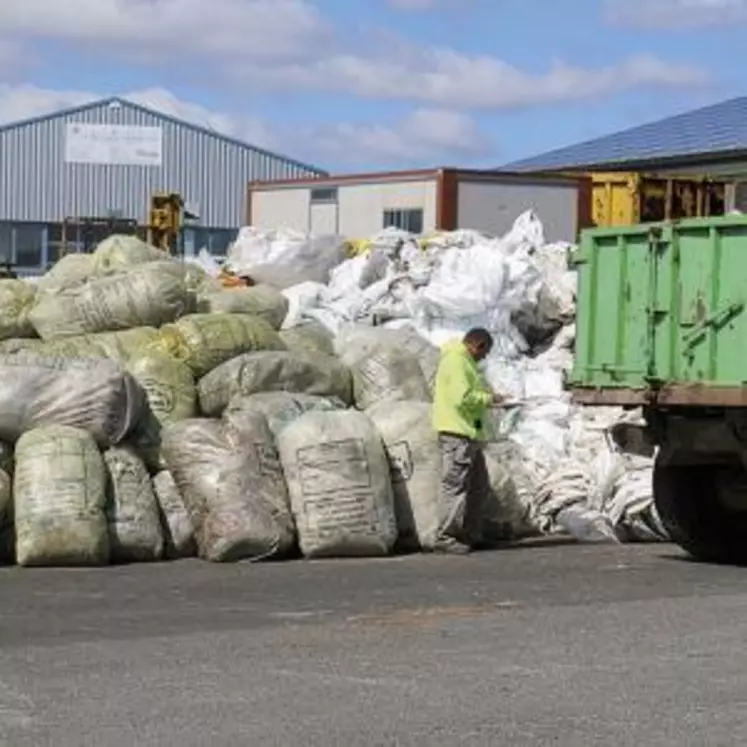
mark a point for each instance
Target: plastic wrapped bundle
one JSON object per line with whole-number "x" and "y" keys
{"x": 59, "y": 490}
{"x": 259, "y": 300}
{"x": 387, "y": 374}
{"x": 232, "y": 487}
{"x": 415, "y": 462}
{"x": 204, "y": 341}
{"x": 280, "y": 408}
{"x": 147, "y": 296}
{"x": 339, "y": 484}
{"x": 94, "y": 395}
{"x": 356, "y": 343}
{"x": 309, "y": 337}
{"x": 118, "y": 346}
{"x": 131, "y": 510}
{"x": 69, "y": 271}
{"x": 168, "y": 383}
{"x": 273, "y": 371}
{"x": 17, "y": 298}
{"x": 285, "y": 258}
{"x": 178, "y": 529}
{"x": 120, "y": 252}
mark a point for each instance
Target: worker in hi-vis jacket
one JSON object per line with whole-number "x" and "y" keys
{"x": 460, "y": 402}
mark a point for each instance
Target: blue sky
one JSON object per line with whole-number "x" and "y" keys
{"x": 380, "y": 83}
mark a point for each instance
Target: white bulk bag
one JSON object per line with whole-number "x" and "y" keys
{"x": 273, "y": 371}
{"x": 415, "y": 461}
{"x": 225, "y": 479}
{"x": 95, "y": 395}
{"x": 338, "y": 479}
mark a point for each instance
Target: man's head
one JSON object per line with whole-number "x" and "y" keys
{"x": 478, "y": 342}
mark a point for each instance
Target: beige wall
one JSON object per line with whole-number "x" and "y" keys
{"x": 362, "y": 206}
{"x": 281, "y": 208}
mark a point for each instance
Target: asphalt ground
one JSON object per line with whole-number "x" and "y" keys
{"x": 542, "y": 645}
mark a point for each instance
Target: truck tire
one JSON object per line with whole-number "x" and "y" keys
{"x": 690, "y": 505}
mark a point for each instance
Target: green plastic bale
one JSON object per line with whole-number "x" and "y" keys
{"x": 17, "y": 298}
{"x": 169, "y": 385}
{"x": 72, "y": 347}
{"x": 19, "y": 345}
{"x": 147, "y": 296}
{"x": 69, "y": 271}
{"x": 309, "y": 337}
{"x": 273, "y": 371}
{"x": 204, "y": 341}
{"x": 124, "y": 345}
{"x": 259, "y": 300}
{"x": 119, "y": 346}
{"x": 135, "y": 533}
{"x": 121, "y": 252}
{"x": 199, "y": 281}
{"x": 280, "y": 408}
{"x": 59, "y": 495}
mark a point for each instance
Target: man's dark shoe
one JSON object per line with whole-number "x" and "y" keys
{"x": 451, "y": 547}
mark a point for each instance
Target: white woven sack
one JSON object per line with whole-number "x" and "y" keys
{"x": 95, "y": 395}
{"x": 224, "y": 480}
{"x": 338, "y": 479}
{"x": 415, "y": 462}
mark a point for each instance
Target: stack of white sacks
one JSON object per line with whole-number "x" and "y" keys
{"x": 148, "y": 413}
{"x": 568, "y": 475}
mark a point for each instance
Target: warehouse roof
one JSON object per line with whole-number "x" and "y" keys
{"x": 120, "y": 101}
{"x": 720, "y": 129}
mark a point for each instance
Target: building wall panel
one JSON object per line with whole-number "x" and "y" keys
{"x": 362, "y": 206}
{"x": 209, "y": 171}
{"x": 287, "y": 207}
{"x": 493, "y": 206}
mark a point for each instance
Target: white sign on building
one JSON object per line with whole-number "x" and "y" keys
{"x": 113, "y": 145}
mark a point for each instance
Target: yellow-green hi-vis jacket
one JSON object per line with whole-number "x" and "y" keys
{"x": 461, "y": 396}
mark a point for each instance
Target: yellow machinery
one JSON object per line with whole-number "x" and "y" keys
{"x": 167, "y": 215}
{"x": 627, "y": 198}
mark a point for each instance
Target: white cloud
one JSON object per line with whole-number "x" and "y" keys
{"x": 675, "y": 14}
{"x": 422, "y": 135}
{"x": 27, "y": 101}
{"x": 288, "y": 45}
{"x": 232, "y": 28}
{"x": 446, "y": 78}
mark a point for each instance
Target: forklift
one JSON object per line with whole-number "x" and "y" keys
{"x": 166, "y": 218}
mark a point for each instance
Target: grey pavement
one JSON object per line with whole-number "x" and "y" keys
{"x": 543, "y": 645}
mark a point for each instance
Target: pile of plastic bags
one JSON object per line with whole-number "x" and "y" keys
{"x": 147, "y": 412}
{"x": 573, "y": 479}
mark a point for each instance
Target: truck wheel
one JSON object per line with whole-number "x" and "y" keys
{"x": 691, "y": 505}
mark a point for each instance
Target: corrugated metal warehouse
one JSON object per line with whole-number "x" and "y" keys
{"x": 107, "y": 159}
{"x": 359, "y": 205}
{"x": 710, "y": 141}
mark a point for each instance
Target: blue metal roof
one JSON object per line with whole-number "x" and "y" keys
{"x": 716, "y": 129}
{"x": 62, "y": 113}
